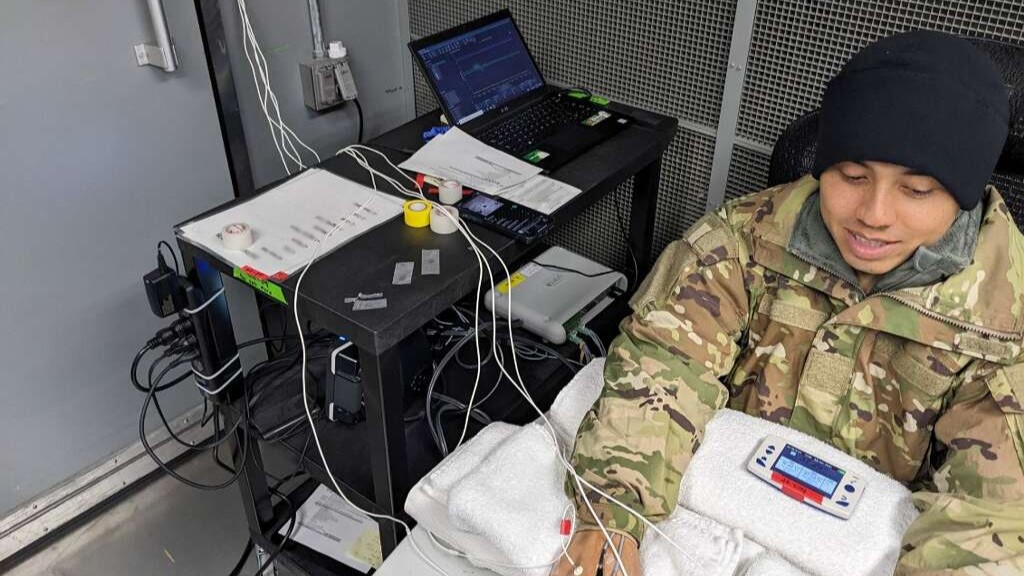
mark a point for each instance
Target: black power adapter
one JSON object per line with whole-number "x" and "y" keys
{"x": 163, "y": 289}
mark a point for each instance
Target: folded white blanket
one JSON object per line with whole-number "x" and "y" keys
{"x": 499, "y": 499}
{"x": 515, "y": 500}
{"x": 712, "y": 549}
{"x": 717, "y": 485}
{"x": 428, "y": 500}
{"x": 771, "y": 564}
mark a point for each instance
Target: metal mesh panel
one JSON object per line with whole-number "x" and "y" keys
{"x": 681, "y": 201}
{"x": 798, "y": 45}
{"x": 668, "y": 56}
{"x": 1012, "y": 190}
{"x": 748, "y": 172}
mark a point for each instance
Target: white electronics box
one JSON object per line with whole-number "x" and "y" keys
{"x": 556, "y": 293}
{"x": 806, "y": 477}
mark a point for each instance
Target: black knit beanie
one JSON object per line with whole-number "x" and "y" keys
{"x": 925, "y": 100}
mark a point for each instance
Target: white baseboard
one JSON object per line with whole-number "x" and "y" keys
{"x": 35, "y": 519}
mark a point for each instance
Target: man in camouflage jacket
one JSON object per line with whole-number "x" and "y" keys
{"x": 781, "y": 305}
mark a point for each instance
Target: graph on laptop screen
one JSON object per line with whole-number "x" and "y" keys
{"x": 481, "y": 69}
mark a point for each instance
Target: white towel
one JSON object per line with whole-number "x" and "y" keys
{"x": 514, "y": 499}
{"x": 717, "y": 485}
{"x": 711, "y": 548}
{"x": 428, "y": 500}
{"x": 771, "y": 564}
{"x": 499, "y": 499}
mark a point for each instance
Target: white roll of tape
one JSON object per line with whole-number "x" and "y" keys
{"x": 237, "y": 236}
{"x": 442, "y": 224}
{"x": 450, "y": 192}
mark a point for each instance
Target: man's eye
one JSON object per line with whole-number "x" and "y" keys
{"x": 918, "y": 193}
{"x": 853, "y": 178}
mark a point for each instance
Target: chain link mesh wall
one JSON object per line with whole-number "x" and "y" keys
{"x": 668, "y": 56}
{"x": 798, "y": 45}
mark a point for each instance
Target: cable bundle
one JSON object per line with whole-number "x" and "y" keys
{"x": 283, "y": 136}
{"x": 483, "y": 253}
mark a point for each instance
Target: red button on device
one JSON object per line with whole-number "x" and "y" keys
{"x": 794, "y": 490}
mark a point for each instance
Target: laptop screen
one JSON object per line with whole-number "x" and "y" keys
{"x": 481, "y": 69}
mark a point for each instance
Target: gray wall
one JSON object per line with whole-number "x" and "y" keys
{"x": 372, "y": 32}
{"x": 98, "y": 158}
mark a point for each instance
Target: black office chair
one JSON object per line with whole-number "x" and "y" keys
{"x": 793, "y": 154}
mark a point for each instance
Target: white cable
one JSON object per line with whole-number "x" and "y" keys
{"x": 219, "y": 388}
{"x": 517, "y": 382}
{"x": 286, "y": 145}
{"x": 305, "y": 398}
{"x": 197, "y": 309}
{"x": 243, "y": 15}
{"x": 518, "y": 385}
{"x": 218, "y": 372}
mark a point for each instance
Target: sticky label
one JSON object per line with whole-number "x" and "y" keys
{"x": 530, "y": 269}
{"x": 578, "y": 94}
{"x": 403, "y": 273}
{"x": 370, "y": 304}
{"x": 600, "y": 100}
{"x": 534, "y": 156}
{"x": 430, "y": 263}
{"x": 511, "y": 282}
{"x": 254, "y": 273}
{"x": 597, "y": 118}
{"x": 268, "y": 288}
{"x": 367, "y": 549}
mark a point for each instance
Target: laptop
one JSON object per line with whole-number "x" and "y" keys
{"x": 489, "y": 86}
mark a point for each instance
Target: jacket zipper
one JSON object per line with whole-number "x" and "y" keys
{"x": 998, "y": 335}
{"x": 831, "y": 273}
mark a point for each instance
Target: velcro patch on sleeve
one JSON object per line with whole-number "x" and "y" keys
{"x": 711, "y": 236}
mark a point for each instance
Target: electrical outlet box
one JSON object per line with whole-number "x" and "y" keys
{"x": 320, "y": 89}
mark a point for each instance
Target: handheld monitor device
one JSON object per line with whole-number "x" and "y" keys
{"x": 519, "y": 222}
{"x": 806, "y": 477}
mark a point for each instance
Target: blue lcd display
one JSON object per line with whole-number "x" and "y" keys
{"x": 808, "y": 470}
{"x": 482, "y": 69}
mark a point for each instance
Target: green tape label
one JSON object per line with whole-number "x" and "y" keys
{"x": 535, "y": 156}
{"x": 600, "y": 100}
{"x": 265, "y": 286}
{"x": 577, "y": 94}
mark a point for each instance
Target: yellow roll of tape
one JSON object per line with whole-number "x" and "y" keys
{"x": 417, "y": 213}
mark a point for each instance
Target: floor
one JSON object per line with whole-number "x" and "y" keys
{"x": 164, "y": 529}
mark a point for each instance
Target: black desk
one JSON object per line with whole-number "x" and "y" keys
{"x": 366, "y": 265}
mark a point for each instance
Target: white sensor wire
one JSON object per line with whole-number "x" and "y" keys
{"x": 356, "y": 152}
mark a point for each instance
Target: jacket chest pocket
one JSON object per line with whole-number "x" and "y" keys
{"x": 908, "y": 384}
{"x": 781, "y": 332}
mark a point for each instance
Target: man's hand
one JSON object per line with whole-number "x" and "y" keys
{"x": 590, "y": 550}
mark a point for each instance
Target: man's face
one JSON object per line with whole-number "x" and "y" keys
{"x": 880, "y": 213}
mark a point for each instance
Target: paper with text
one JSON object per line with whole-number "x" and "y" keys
{"x": 288, "y": 220}
{"x": 458, "y": 156}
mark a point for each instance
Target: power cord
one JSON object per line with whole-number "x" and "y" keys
{"x": 359, "y": 111}
{"x": 575, "y": 271}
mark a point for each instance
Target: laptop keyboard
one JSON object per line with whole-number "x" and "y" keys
{"x": 521, "y": 131}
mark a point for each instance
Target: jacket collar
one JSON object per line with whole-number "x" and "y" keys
{"x": 981, "y": 305}
{"x": 812, "y": 242}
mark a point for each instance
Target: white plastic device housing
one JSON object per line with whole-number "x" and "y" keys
{"x": 544, "y": 299}
{"x": 840, "y": 503}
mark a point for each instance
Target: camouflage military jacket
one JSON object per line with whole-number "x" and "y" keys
{"x": 925, "y": 384}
